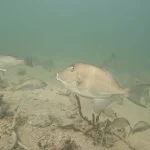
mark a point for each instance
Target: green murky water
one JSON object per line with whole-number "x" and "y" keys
{"x": 85, "y": 31}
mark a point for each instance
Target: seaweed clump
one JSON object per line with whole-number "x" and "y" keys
{"x": 104, "y": 133}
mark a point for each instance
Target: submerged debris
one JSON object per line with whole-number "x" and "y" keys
{"x": 3, "y": 71}
{"x": 3, "y": 84}
{"x": 3, "y": 110}
{"x": 1, "y": 98}
{"x": 3, "y": 107}
{"x": 21, "y": 72}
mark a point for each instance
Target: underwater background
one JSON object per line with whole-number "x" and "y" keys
{"x": 53, "y": 34}
{"x": 78, "y": 31}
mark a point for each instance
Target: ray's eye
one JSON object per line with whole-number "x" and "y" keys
{"x": 71, "y": 68}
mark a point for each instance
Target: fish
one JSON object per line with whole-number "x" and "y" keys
{"x": 139, "y": 127}
{"x": 98, "y": 84}
{"x": 10, "y": 61}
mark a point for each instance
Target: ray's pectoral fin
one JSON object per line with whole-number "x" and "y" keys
{"x": 101, "y": 104}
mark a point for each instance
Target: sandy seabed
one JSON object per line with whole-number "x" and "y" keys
{"x": 42, "y": 110}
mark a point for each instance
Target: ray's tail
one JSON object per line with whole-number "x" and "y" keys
{"x": 139, "y": 94}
